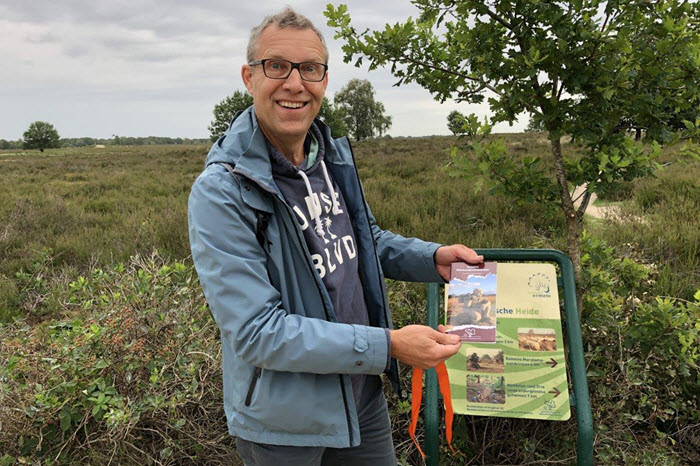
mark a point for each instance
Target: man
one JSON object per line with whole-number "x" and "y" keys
{"x": 292, "y": 264}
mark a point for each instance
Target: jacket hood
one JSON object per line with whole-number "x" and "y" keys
{"x": 244, "y": 146}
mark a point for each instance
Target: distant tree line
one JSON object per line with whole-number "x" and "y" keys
{"x": 354, "y": 111}
{"x": 129, "y": 141}
{"x": 5, "y": 144}
{"x": 113, "y": 141}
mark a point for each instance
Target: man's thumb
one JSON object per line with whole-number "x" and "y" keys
{"x": 446, "y": 338}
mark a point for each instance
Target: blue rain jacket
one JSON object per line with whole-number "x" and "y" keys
{"x": 286, "y": 359}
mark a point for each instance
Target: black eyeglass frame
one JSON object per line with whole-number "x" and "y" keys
{"x": 294, "y": 66}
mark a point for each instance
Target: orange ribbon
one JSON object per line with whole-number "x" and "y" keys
{"x": 417, "y": 395}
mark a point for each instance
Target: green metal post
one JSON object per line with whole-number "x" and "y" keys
{"x": 432, "y": 410}
{"x": 584, "y": 419}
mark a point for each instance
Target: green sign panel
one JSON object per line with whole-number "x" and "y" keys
{"x": 522, "y": 373}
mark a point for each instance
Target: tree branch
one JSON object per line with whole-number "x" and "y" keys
{"x": 605, "y": 23}
{"x": 584, "y": 203}
{"x": 561, "y": 89}
{"x": 535, "y": 83}
{"x": 501, "y": 20}
{"x": 602, "y": 30}
{"x": 560, "y": 172}
{"x": 483, "y": 85}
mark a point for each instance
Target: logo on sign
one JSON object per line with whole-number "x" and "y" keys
{"x": 539, "y": 284}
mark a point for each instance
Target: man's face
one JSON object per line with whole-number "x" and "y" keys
{"x": 273, "y": 96}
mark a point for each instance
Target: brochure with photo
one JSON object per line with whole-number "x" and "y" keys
{"x": 470, "y": 302}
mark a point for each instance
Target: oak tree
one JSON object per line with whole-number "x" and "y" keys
{"x": 363, "y": 115}
{"x": 333, "y": 117}
{"x": 40, "y": 135}
{"x": 579, "y": 67}
{"x": 454, "y": 122}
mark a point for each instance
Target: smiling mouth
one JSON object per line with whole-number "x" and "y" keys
{"x": 291, "y": 105}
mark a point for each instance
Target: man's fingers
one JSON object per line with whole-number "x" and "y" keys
{"x": 422, "y": 346}
{"x": 445, "y": 351}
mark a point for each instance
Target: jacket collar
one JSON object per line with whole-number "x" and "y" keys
{"x": 244, "y": 146}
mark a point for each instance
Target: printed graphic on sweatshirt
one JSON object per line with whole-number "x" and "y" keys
{"x": 318, "y": 212}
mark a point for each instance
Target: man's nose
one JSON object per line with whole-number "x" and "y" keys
{"x": 294, "y": 81}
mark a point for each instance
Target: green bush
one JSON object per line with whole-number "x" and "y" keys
{"x": 622, "y": 192}
{"x": 642, "y": 354}
{"x": 663, "y": 228}
{"x": 130, "y": 374}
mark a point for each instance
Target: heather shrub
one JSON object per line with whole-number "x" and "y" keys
{"x": 130, "y": 373}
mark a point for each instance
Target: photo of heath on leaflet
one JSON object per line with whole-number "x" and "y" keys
{"x": 537, "y": 339}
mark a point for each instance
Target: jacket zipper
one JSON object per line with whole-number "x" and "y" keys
{"x": 325, "y": 310}
{"x": 300, "y": 239}
{"x": 253, "y": 382}
{"x": 369, "y": 225}
{"x": 376, "y": 259}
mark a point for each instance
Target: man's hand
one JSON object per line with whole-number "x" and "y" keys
{"x": 446, "y": 255}
{"x": 421, "y": 346}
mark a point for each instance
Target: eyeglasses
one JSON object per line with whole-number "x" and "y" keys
{"x": 281, "y": 69}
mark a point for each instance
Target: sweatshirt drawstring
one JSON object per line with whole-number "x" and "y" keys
{"x": 334, "y": 204}
{"x": 317, "y": 216}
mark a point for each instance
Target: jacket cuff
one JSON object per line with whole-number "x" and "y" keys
{"x": 440, "y": 279}
{"x": 437, "y": 278}
{"x": 388, "y": 353}
{"x": 371, "y": 350}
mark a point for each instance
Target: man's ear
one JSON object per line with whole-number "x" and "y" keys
{"x": 247, "y": 77}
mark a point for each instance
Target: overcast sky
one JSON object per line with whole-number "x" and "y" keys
{"x": 156, "y": 68}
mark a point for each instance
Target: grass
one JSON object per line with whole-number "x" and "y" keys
{"x": 409, "y": 193}
{"x": 100, "y": 206}
{"x": 90, "y": 206}
{"x": 670, "y": 236}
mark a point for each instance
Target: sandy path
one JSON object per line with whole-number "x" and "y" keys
{"x": 485, "y": 395}
{"x": 593, "y": 210}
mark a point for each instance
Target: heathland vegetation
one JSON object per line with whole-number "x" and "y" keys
{"x": 108, "y": 351}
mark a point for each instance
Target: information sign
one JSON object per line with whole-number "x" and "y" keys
{"x": 523, "y": 373}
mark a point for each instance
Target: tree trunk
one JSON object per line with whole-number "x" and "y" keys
{"x": 574, "y": 220}
{"x": 573, "y": 245}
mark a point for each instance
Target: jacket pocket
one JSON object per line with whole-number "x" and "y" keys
{"x": 253, "y": 382}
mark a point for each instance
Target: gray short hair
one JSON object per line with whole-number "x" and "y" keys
{"x": 287, "y": 18}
